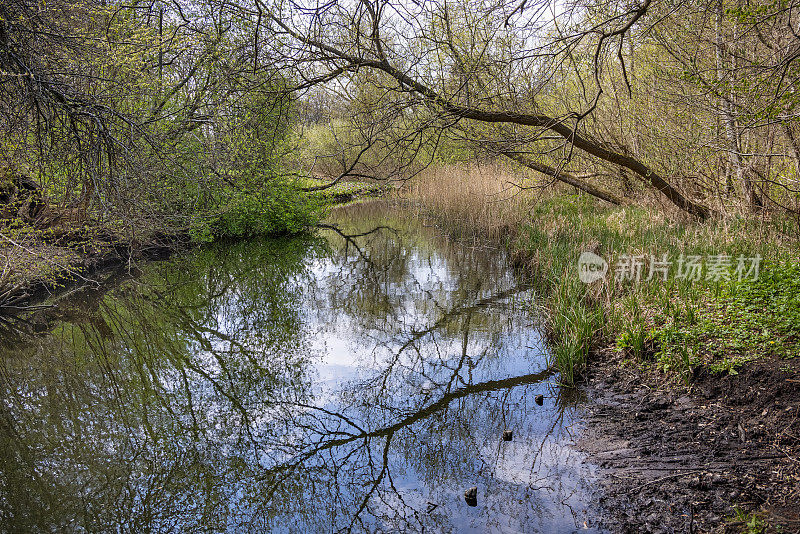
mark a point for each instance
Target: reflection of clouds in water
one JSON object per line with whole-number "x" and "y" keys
{"x": 307, "y": 388}
{"x": 531, "y": 484}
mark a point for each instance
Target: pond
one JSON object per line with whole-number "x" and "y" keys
{"x": 360, "y": 379}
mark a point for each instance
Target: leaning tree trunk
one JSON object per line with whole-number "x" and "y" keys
{"x": 330, "y": 53}
{"x": 563, "y": 176}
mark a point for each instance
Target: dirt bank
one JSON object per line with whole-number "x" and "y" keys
{"x": 37, "y": 268}
{"x": 680, "y": 458}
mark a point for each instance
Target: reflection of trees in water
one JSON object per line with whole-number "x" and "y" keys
{"x": 184, "y": 400}
{"x": 126, "y": 408}
{"x": 391, "y": 270}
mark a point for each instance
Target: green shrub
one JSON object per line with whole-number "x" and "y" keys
{"x": 278, "y": 209}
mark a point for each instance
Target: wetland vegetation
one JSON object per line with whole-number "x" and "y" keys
{"x": 579, "y": 199}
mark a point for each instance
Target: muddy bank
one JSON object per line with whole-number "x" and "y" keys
{"x": 50, "y": 267}
{"x": 679, "y": 458}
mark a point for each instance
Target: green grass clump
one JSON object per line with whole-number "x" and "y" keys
{"x": 577, "y": 327}
{"x": 751, "y": 522}
{"x": 675, "y": 324}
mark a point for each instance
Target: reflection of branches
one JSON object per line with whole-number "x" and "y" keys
{"x": 187, "y": 370}
{"x": 445, "y": 318}
{"x": 374, "y": 268}
{"x": 462, "y": 310}
{"x": 350, "y": 239}
{"x": 427, "y": 411}
{"x": 363, "y": 439}
{"x": 74, "y": 301}
{"x": 378, "y": 480}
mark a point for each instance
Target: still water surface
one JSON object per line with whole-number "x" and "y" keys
{"x": 356, "y": 380}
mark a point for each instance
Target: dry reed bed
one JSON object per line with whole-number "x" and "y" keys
{"x": 484, "y": 199}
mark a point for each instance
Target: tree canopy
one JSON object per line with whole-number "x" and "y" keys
{"x": 150, "y": 108}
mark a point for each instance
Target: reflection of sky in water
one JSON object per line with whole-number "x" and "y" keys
{"x": 283, "y": 381}
{"x": 534, "y": 483}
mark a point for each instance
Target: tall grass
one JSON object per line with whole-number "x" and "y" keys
{"x": 481, "y": 200}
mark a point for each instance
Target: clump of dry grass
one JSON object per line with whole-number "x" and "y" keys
{"x": 479, "y": 199}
